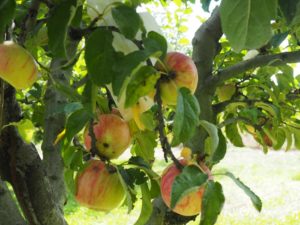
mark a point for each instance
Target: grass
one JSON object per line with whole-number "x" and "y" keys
{"x": 275, "y": 177}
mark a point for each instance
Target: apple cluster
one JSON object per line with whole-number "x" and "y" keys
{"x": 95, "y": 184}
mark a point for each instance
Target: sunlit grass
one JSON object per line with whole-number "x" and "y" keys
{"x": 275, "y": 177}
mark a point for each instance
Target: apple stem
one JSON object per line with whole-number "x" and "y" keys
{"x": 166, "y": 147}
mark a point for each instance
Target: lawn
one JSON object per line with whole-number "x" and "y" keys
{"x": 275, "y": 177}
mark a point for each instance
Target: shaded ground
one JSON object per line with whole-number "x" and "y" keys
{"x": 275, "y": 177}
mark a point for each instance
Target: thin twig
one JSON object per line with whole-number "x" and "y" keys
{"x": 166, "y": 147}
{"x": 94, "y": 150}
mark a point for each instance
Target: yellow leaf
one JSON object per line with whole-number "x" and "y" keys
{"x": 59, "y": 136}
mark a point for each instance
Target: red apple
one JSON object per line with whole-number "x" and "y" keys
{"x": 17, "y": 66}
{"x": 97, "y": 188}
{"x": 112, "y": 135}
{"x": 180, "y": 71}
{"x": 190, "y": 204}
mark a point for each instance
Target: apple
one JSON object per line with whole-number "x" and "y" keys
{"x": 180, "y": 71}
{"x": 112, "y": 135}
{"x": 17, "y": 66}
{"x": 97, "y": 188}
{"x": 190, "y": 204}
{"x": 225, "y": 92}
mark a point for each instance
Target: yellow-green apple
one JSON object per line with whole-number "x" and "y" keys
{"x": 190, "y": 204}
{"x": 225, "y": 92}
{"x": 17, "y": 66}
{"x": 98, "y": 188}
{"x": 180, "y": 71}
{"x": 112, "y": 135}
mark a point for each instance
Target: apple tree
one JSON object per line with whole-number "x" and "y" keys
{"x": 83, "y": 81}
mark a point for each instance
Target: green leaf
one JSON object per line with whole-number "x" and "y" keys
{"x": 141, "y": 83}
{"x": 277, "y": 39}
{"x": 140, "y": 163}
{"x": 254, "y": 198}
{"x": 156, "y": 43}
{"x": 148, "y": 119}
{"x": 220, "y": 152}
{"x": 189, "y": 180}
{"x": 26, "y": 129}
{"x": 100, "y": 56}
{"x": 289, "y": 9}
{"x": 233, "y": 135}
{"x": 146, "y": 205}
{"x": 297, "y": 138}
{"x": 73, "y": 158}
{"x": 212, "y": 203}
{"x": 144, "y": 144}
{"x": 127, "y": 19}
{"x": 273, "y": 110}
{"x": 280, "y": 137}
{"x": 71, "y": 107}
{"x": 212, "y": 131}
{"x": 205, "y": 5}
{"x": 58, "y": 23}
{"x": 125, "y": 67}
{"x": 76, "y": 122}
{"x": 70, "y": 180}
{"x": 289, "y": 138}
{"x": 130, "y": 193}
{"x": 7, "y": 12}
{"x": 186, "y": 117}
{"x": 247, "y": 23}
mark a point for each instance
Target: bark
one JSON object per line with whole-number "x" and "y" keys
{"x": 205, "y": 47}
{"x": 258, "y": 61}
{"x": 8, "y": 208}
{"x": 55, "y": 119}
{"x": 54, "y": 124}
{"x": 26, "y": 171}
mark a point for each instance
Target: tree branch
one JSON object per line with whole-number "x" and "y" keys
{"x": 8, "y": 208}
{"x": 205, "y": 47}
{"x": 26, "y": 171}
{"x": 258, "y": 61}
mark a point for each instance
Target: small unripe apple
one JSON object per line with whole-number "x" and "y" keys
{"x": 190, "y": 204}
{"x": 225, "y": 92}
{"x": 97, "y": 188}
{"x": 180, "y": 71}
{"x": 112, "y": 135}
{"x": 17, "y": 66}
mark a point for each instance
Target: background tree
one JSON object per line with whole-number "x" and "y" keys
{"x": 102, "y": 57}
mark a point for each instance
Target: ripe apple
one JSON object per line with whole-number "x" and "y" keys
{"x": 180, "y": 71}
{"x": 112, "y": 135}
{"x": 97, "y": 188}
{"x": 17, "y": 66}
{"x": 225, "y": 92}
{"x": 190, "y": 204}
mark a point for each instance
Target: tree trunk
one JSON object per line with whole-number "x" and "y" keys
{"x": 9, "y": 212}
{"x": 25, "y": 171}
